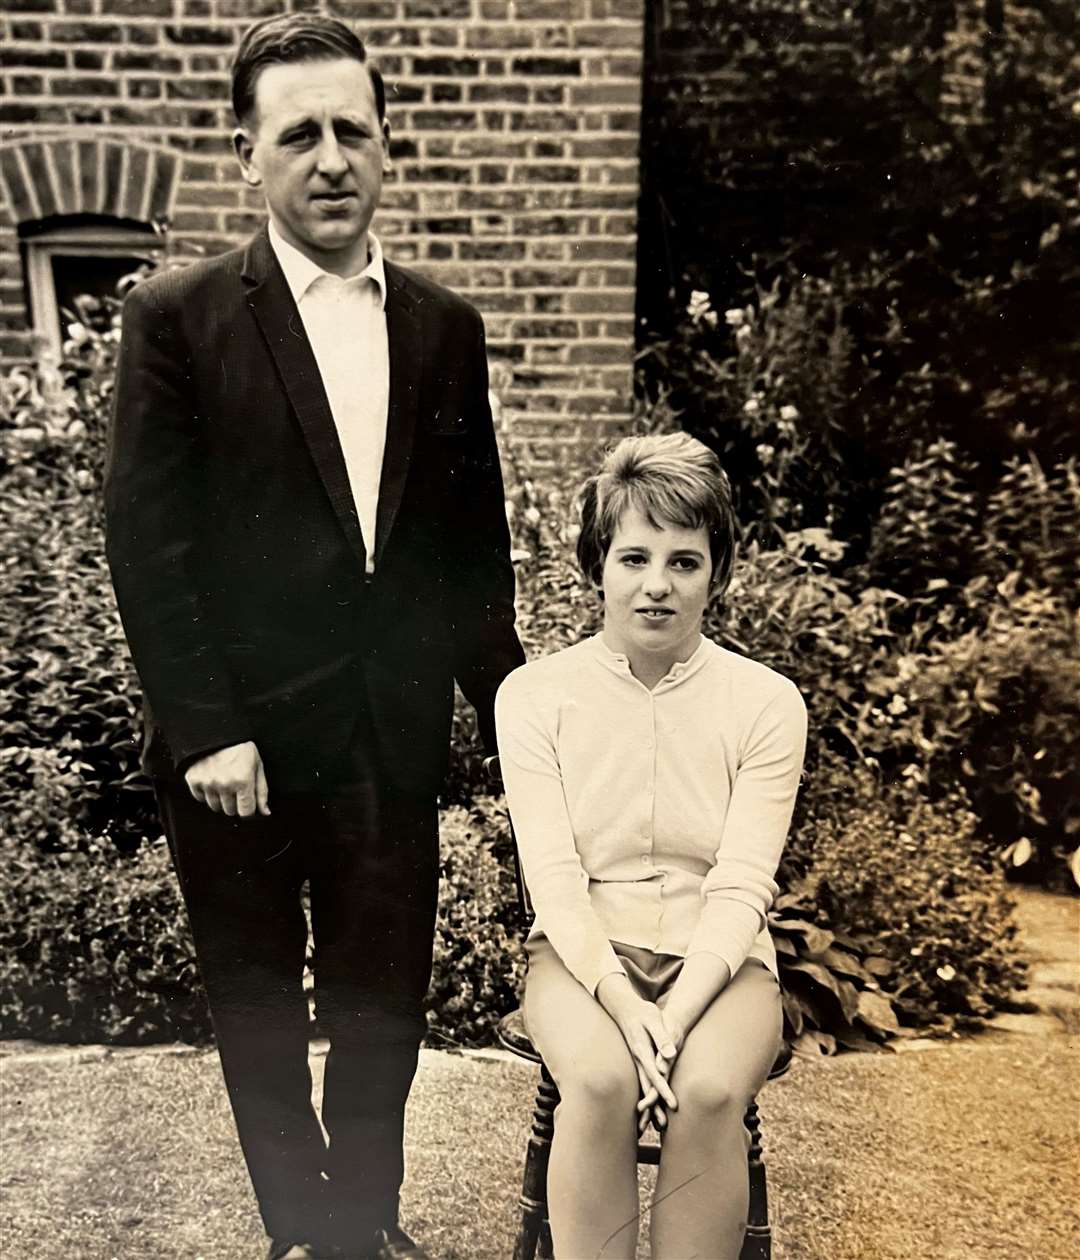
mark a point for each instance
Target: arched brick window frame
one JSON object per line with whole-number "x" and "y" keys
{"x": 73, "y": 197}
{"x": 65, "y": 176}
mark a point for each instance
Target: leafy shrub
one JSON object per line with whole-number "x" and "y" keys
{"x": 904, "y": 872}
{"x": 774, "y": 388}
{"x": 831, "y": 981}
{"x": 66, "y": 681}
{"x": 94, "y": 943}
{"x": 1032, "y": 528}
{"x": 929, "y": 524}
{"x": 996, "y": 710}
{"x": 479, "y": 960}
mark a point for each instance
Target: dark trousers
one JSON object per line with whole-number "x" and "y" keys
{"x": 370, "y": 858}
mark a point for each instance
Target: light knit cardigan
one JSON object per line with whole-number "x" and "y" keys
{"x": 654, "y": 818}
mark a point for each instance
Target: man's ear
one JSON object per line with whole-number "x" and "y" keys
{"x": 386, "y": 146}
{"x": 244, "y": 148}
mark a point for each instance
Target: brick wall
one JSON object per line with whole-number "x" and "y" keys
{"x": 516, "y": 130}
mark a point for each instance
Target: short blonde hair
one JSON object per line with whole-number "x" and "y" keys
{"x": 671, "y": 479}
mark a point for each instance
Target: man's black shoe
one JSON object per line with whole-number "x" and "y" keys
{"x": 282, "y": 1249}
{"x": 395, "y": 1244}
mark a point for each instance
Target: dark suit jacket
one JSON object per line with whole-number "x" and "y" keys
{"x": 236, "y": 550}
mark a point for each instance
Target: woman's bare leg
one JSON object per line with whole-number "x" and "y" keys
{"x": 702, "y": 1193}
{"x": 592, "y": 1178}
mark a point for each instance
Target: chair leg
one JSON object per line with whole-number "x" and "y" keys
{"x": 534, "y": 1234}
{"x": 757, "y": 1243}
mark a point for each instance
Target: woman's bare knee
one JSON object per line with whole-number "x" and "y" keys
{"x": 713, "y": 1095}
{"x": 600, "y": 1088}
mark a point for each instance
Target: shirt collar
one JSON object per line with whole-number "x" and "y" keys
{"x": 301, "y": 273}
{"x": 680, "y": 671}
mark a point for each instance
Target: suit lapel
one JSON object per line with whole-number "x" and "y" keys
{"x": 406, "y": 342}
{"x": 278, "y": 318}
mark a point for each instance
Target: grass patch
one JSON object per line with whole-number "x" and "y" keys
{"x": 965, "y": 1152}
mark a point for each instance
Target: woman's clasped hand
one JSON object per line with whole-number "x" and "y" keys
{"x": 652, "y": 1043}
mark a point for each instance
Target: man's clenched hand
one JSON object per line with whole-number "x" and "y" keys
{"x": 231, "y": 781}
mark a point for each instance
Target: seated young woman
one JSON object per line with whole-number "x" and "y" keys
{"x": 651, "y": 776}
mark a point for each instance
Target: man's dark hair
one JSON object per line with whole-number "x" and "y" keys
{"x": 295, "y": 37}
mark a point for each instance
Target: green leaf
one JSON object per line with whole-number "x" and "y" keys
{"x": 844, "y": 963}
{"x": 793, "y": 1009}
{"x": 812, "y": 1044}
{"x": 817, "y": 940}
{"x": 849, "y": 999}
{"x": 821, "y": 975}
{"x": 875, "y": 1010}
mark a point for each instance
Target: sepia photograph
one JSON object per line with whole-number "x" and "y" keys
{"x": 539, "y": 629}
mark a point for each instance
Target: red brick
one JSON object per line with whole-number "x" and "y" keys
{"x": 201, "y": 34}
{"x": 85, "y": 87}
{"x": 137, "y": 8}
{"x": 197, "y": 89}
{"x": 562, "y": 67}
{"x": 549, "y": 174}
{"x": 605, "y": 94}
{"x": 461, "y": 9}
{"x": 444, "y": 119}
{"x": 46, "y": 58}
{"x": 86, "y": 33}
{"x": 608, "y": 35}
{"x": 456, "y": 66}
{"x": 144, "y": 89}
{"x": 17, "y": 112}
{"x": 484, "y": 37}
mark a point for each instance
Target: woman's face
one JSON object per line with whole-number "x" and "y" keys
{"x": 656, "y": 588}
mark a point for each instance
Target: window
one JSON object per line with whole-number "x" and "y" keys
{"x": 64, "y": 261}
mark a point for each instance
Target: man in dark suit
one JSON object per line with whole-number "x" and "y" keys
{"x": 307, "y": 536}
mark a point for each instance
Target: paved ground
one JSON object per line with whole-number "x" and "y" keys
{"x": 968, "y": 1151}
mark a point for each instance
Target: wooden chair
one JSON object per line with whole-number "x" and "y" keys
{"x": 533, "y": 1240}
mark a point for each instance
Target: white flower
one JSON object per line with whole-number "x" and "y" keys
{"x": 735, "y": 317}
{"x": 765, "y": 453}
{"x": 699, "y": 305}
{"x": 788, "y": 412}
{"x": 751, "y": 406}
{"x": 532, "y": 515}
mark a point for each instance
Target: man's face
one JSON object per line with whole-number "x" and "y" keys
{"x": 316, "y": 147}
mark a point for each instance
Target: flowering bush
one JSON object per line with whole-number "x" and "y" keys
{"x": 904, "y": 872}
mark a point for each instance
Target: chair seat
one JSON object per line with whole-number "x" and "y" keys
{"x": 513, "y": 1035}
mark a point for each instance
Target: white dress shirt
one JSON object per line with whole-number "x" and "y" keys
{"x": 345, "y": 320}
{"x": 654, "y": 818}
